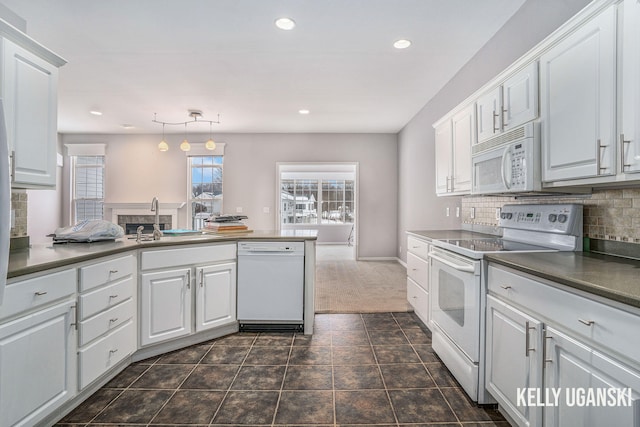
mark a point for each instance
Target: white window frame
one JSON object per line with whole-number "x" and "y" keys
{"x": 81, "y": 150}
{"x": 198, "y": 150}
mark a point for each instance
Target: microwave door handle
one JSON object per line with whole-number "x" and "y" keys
{"x": 465, "y": 268}
{"x": 505, "y": 158}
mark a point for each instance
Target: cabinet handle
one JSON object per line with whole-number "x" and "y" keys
{"x": 586, "y": 322}
{"x": 40, "y": 293}
{"x": 13, "y": 165}
{"x": 113, "y": 351}
{"x": 113, "y": 271}
{"x": 527, "y": 339}
{"x": 113, "y": 296}
{"x": 115, "y": 319}
{"x": 414, "y": 297}
{"x": 622, "y": 157}
{"x": 414, "y": 269}
{"x": 75, "y": 316}
{"x": 188, "y": 279}
{"x": 448, "y": 178}
{"x": 201, "y": 278}
{"x": 504, "y": 122}
{"x": 505, "y": 287}
{"x": 545, "y": 337}
{"x": 415, "y": 247}
{"x": 495, "y": 116}
{"x": 599, "y": 166}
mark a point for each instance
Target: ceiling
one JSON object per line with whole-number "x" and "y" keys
{"x": 130, "y": 59}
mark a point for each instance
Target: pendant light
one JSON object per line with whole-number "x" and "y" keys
{"x": 185, "y": 145}
{"x": 163, "y": 146}
{"x": 210, "y": 144}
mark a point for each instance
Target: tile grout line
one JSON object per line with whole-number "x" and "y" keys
{"x": 286, "y": 368}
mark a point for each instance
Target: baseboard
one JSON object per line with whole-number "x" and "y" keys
{"x": 401, "y": 262}
{"x": 382, "y": 258}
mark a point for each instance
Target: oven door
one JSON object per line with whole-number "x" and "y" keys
{"x": 455, "y": 302}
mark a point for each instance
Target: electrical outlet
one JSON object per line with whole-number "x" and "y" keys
{"x": 266, "y": 210}
{"x": 457, "y": 211}
{"x": 447, "y": 211}
{"x": 239, "y": 209}
{"x": 498, "y": 212}
{"x": 13, "y": 218}
{"x": 400, "y": 249}
{"x": 472, "y": 214}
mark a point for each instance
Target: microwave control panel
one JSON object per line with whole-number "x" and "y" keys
{"x": 518, "y": 166}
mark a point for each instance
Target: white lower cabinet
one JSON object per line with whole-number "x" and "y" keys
{"x": 513, "y": 359}
{"x": 215, "y": 295}
{"x": 37, "y": 364}
{"x": 186, "y": 290}
{"x": 418, "y": 277}
{"x": 165, "y": 310}
{"x": 551, "y": 357}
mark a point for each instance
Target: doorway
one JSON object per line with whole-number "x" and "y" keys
{"x": 321, "y": 196}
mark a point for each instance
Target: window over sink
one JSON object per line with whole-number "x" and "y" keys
{"x": 205, "y": 179}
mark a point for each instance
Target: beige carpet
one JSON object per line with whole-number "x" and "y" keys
{"x": 349, "y": 286}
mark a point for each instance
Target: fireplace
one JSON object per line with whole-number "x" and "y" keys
{"x": 131, "y": 215}
{"x": 130, "y": 223}
{"x": 132, "y": 227}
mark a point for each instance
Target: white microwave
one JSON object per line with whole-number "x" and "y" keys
{"x": 508, "y": 163}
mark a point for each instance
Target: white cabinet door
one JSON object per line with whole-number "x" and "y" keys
{"x": 418, "y": 297}
{"x": 577, "y": 95}
{"x": 520, "y": 97}
{"x": 464, "y": 127}
{"x": 629, "y": 88}
{"x": 215, "y": 296}
{"x": 575, "y": 367}
{"x": 37, "y": 365}
{"x": 443, "y": 156}
{"x": 29, "y": 89}
{"x": 165, "y": 307}
{"x": 514, "y": 359}
{"x": 488, "y": 114}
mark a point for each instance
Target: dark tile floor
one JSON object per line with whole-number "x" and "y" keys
{"x": 357, "y": 369}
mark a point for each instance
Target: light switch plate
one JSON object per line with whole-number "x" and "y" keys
{"x": 498, "y": 212}
{"x": 239, "y": 209}
{"x": 457, "y": 211}
{"x": 472, "y": 214}
{"x": 448, "y": 211}
{"x": 266, "y": 210}
{"x": 13, "y": 218}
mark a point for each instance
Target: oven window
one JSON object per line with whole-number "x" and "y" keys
{"x": 451, "y": 296}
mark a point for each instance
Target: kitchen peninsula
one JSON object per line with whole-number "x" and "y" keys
{"x": 85, "y": 311}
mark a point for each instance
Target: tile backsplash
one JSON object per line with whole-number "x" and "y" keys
{"x": 19, "y": 204}
{"x": 608, "y": 214}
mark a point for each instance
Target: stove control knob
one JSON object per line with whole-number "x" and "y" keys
{"x": 509, "y": 215}
{"x": 562, "y": 218}
{"x": 503, "y": 215}
{"x": 552, "y": 217}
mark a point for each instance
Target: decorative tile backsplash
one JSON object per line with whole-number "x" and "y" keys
{"x": 19, "y": 204}
{"x": 608, "y": 214}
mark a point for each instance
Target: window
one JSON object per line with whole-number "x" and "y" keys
{"x": 302, "y": 203}
{"x": 88, "y": 187}
{"x": 205, "y": 180}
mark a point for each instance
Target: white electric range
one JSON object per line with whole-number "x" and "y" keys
{"x": 458, "y": 282}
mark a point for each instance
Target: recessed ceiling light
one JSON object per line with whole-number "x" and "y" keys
{"x": 402, "y": 44}
{"x": 285, "y": 23}
{"x": 304, "y": 111}
{"x": 95, "y": 112}
{"x": 127, "y": 126}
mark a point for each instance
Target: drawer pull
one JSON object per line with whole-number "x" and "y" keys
{"x": 414, "y": 297}
{"x": 39, "y": 294}
{"x": 506, "y": 287}
{"x": 415, "y": 247}
{"x": 586, "y": 322}
{"x": 113, "y": 351}
{"x": 115, "y": 319}
{"x": 113, "y": 271}
{"x": 113, "y": 296}
{"x": 527, "y": 339}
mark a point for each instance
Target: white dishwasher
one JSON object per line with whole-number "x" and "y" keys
{"x": 270, "y": 285}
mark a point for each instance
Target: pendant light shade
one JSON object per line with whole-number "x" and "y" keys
{"x": 185, "y": 145}
{"x": 210, "y": 144}
{"x": 163, "y": 146}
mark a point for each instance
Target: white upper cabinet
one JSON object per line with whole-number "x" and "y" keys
{"x": 453, "y": 139}
{"x": 508, "y": 105}
{"x": 29, "y": 89}
{"x": 629, "y": 88}
{"x": 577, "y": 102}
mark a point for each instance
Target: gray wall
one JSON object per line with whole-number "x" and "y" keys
{"x": 418, "y": 206}
{"x": 137, "y": 171}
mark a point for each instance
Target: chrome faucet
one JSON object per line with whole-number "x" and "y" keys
{"x": 155, "y": 207}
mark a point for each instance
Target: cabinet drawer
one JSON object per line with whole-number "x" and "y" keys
{"x": 419, "y": 300}
{"x": 27, "y": 294}
{"x": 105, "y": 272}
{"x": 418, "y": 270}
{"x": 101, "y": 299}
{"x": 418, "y": 247}
{"x": 609, "y": 327}
{"x": 100, "y": 324}
{"x": 165, "y": 258}
{"x": 102, "y": 355}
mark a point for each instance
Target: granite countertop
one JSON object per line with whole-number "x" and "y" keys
{"x": 608, "y": 276}
{"x": 40, "y": 257}
{"x": 449, "y": 234}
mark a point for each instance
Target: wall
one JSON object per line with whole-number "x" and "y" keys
{"x": 418, "y": 206}
{"x": 136, "y": 172}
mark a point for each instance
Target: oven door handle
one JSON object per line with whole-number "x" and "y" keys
{"x": 465, "y": 268}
